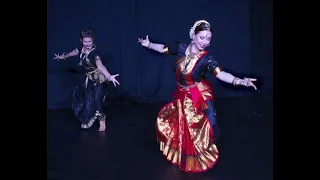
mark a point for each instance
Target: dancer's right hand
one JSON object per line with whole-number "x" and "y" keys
{"x": 144, "y": 42}
{"x": 59, "y": 57}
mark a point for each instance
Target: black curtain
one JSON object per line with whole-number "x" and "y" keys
{"x": 241, "y": 44}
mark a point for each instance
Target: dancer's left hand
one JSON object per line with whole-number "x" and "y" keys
{"x": 248, "y": 82}
{"x": 113, "y": 79}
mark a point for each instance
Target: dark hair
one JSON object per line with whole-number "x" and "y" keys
{"x": 203, "y": 27}
{"x": 86, "y": 33}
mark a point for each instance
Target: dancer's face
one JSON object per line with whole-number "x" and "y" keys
{"x": 202, "y": 39}
{"x": 87, "y": 42}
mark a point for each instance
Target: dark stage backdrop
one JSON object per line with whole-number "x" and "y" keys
{"x": 242, "y": 44}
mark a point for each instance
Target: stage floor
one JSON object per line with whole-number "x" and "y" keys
{"x": 128, "y": 149}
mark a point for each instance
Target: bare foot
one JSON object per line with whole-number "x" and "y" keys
{"x": 102, "y": 126}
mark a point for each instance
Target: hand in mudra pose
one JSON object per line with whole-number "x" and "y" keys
{"x": 144, "y": 42}
{"x": 59, "y": 57}
{"x": 248, "y": 82}
{"x": 113, "y": 79}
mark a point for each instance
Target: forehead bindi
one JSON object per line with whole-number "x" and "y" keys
{"x": 205, "y": 34}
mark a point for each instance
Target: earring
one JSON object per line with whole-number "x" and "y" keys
{"x": 192, "y": 41}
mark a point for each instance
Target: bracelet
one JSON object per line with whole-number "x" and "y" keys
{"x": 235, "y": 81}
{"x": 149, "y": 45}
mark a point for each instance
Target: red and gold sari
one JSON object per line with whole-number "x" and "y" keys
{"x": 183, "y": 130}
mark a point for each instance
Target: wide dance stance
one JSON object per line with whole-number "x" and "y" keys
{"x": 187, "y": 128}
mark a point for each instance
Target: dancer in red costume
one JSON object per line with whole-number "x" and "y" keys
{"x": 186, "y": 128}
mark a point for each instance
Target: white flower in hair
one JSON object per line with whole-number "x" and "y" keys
{"x": 197, "y": 23}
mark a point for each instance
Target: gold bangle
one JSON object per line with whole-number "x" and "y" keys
{"x": 165, "y": 50}
{"x": 235, "y": 81}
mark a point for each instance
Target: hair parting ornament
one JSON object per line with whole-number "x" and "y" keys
{"x": 195, "y": 25}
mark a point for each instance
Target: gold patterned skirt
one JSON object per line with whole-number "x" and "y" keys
{"x": 185, "y": 133}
